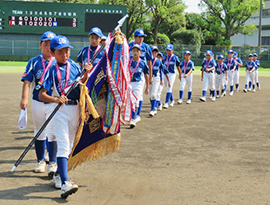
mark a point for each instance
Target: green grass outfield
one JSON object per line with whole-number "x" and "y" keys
{"x": 19, "y": 67}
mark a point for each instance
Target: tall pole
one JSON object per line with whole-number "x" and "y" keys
{"x": 260, "y": 28}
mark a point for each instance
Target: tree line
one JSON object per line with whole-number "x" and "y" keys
{"x": 166, "y": 22}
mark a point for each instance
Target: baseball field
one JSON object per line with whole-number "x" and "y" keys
{"x": 202, "y": 153}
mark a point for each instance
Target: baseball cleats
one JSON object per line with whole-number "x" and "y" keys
{"x": 152, "y": 113}
{"x": 52, "y": 167}
{"x": 202, "y": 99}
{"x": 218, "y": 96}
{"x": 237, "y": 90}
{"x": 159, "y": 108}
{"x": 213, "y": 99}
{"x": 165, "y": 106}
{"x": 249, "y": 90}
{"x": 68, "y": 188}
{"x": 40, "y": 168}
{"x": 172, "y": 104}
{"x": 259, "y": 88}
{"x": 132, "y": 124}
{"x": 188, "y": 101}
{"x": 245, "y": 90}
{"x": 57, "y": 181}
{"x": 231, "y": 93}
{"x": 253, "y": 90}
{"x": 180, "y": 101}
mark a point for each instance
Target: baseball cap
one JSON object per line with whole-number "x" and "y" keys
{"x": 154, "y": 48}
{"x": 250, "y": 55}
{"x": 22, "y": 123}
{"x": 60, "y": 42}
{"x": 136, "y": 46}
{"x": 139, "y": 32}
{"x": 48, "y": 35}
{"x": 255, "y": 54}
{"x": 169, "y": 46}
{"x": 97, "y": 31}
{"x": 235, "y": 54}
{"x": 187, "y": 52}
{"x": 220, "y": 57}
{"x": 209, "y": 52}
{"x": 230, "y": 51}
{"x": 159, "y": 53}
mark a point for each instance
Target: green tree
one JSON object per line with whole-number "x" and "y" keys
{"x": 75, "y": 1}
{"x": 210, "y": 28}
{"x": 135, "y": 10}
{"x": 187, "y": 37}
{"x": 191, "y": 22}
{"x": 230, "y": 16}
{"x": 165, "y": 12}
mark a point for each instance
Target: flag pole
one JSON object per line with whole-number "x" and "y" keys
{"x": 74, "y": 85}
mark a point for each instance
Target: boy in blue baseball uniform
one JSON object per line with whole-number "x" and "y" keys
{"x": 257, "y": 62}
{"x": 157, "y": 66}
{"x": 208, "y": 76}
{"x": 138, "y": 68}
{"x": 86, "y": 53}
{"x": 222, "y": 74}
{"x": 239, "y": 63}
{"x": 36, "y": 70}
{"x": 146, "y": 55}
{"x": 171, "y": 62}
{"x": 187, "y": 67}
{"x": 250, "y": 74}
{"x": 60, "y": 77}
{"x": 231, "y": 64}
{"x": 164, "y": 73}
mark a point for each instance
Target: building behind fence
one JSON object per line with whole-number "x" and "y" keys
{"x": 23, "y": 50}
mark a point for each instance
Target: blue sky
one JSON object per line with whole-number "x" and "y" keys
{"x": 192, "y": 6}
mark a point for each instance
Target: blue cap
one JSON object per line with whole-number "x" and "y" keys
{"x": 154, "y": 48}
{"x": 187, "y": 52}
{"x": 230, "y": 51}
{"x": 97, "y": 31}
{"x": 159, "y": 53}
{"x": 250, "y": 55}
{"x": 139, "y": 32}
{"x": 48, "y": 35}
{"x": 169, "y": 47}
{"x": 255, "y": 54}
{"x": 59, "y": 42}
{"x": 220, "y": 57}
{"x": 235, "y": 54}
{"x": 136, "y": 46}
{"x": 209, "y": 52}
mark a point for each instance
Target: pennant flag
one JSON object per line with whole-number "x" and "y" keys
{"x": 106, "y": 100}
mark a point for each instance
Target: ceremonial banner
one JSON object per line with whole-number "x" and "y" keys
{"x": 98, "y": 94}
{"x": 120, "y": 99}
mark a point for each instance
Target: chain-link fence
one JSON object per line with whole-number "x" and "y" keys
{"x": 198, "y": 52}
{"x": 23, "y": 50}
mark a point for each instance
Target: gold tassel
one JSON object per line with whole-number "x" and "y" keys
{"x": 84, "y": 97}
{"x": 95, "y": 151}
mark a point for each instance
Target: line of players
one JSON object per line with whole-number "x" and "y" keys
{"x": 160, "y": 70}
{"x": 53, "y": 72}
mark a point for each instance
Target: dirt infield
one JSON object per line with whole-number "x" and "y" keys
{"x": 202, "y": 153}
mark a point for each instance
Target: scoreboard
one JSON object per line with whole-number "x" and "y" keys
{"x": 61, "y": 18}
